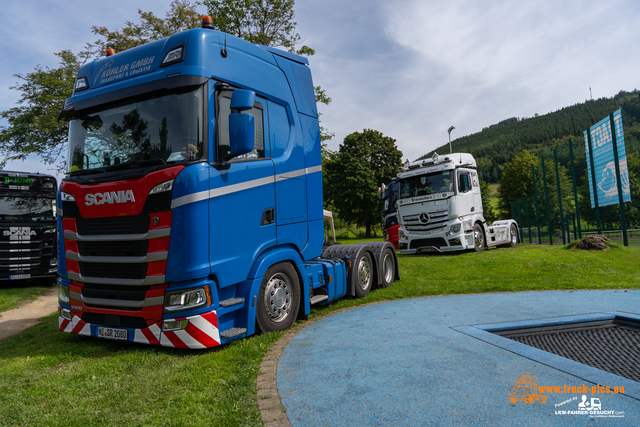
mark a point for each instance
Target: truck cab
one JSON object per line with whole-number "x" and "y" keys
{"x": 440, "y": 208}
{"x": 27, "y": 227}
{"x": 192, "y": 213}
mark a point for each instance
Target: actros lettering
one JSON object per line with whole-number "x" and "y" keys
{"x": 121, "y": 196}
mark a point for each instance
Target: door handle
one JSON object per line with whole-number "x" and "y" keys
{"x": 268, "y": 217}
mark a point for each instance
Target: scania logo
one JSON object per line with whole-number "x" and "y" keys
{"x": 110, "y": 197}
{"x": 424, "y": 218}
{"x": 18, "y": 233}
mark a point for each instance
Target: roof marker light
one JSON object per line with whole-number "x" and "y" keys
{"x": 207, "y": 22}
{"x": 110, "y": 52}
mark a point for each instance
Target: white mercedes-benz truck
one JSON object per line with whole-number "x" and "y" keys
{"x": 440, "y": 208}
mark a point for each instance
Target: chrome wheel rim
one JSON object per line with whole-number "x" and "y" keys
{"x": 364, "y": 273}
{"x": 477, "y": 235}
{"x": 277, "y": 297}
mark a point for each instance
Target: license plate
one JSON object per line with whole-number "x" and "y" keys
{"x": 20, "y": 276}
{"x": 113, "y": 333}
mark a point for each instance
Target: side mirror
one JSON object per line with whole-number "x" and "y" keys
{"x": 241, "y": 126}
{"x": 242, "y": 100}
{"x": 241, "y": 134}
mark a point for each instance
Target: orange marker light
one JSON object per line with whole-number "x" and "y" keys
{"x": 110, "y": 52}
{"x": 207, "y": 22}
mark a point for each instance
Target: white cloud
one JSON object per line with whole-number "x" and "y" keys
{"x": 409, "y": 68}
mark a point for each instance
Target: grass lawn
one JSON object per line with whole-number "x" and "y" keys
{"x": 55, "y": 379}
{"x": 13, "y": 294}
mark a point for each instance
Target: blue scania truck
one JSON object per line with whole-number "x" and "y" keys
{"x": 191, "y": 214}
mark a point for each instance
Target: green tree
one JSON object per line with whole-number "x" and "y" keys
{"x": 487, "y": 209}
{"x": 516, "y": 181}
{"x": 265, "y": 22}
{"x": 353, "y": 175}
{"x": 182, "y": 15}
{"x": 33, "y": 126}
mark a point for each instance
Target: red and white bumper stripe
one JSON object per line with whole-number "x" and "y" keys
{"x": 73, "y": 326}
{"x": 201, "y": 332}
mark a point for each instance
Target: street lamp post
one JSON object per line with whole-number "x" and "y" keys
{"x": 450, "y": 129}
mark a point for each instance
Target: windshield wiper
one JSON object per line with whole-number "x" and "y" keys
{"x": 80, "y": 172}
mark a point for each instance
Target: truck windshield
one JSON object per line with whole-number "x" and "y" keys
{"x": 421, "y": 185}
{"x": 17, "y": 209}
{"x": 165, "y": 129}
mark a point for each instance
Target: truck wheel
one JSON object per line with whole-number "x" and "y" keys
{"x": 513, "y": 231}
{"x": 278, "y": 298}
{"x": 363, "y": 274}
{"x": 388, "y": 268}
{"x": 478, "y": 238}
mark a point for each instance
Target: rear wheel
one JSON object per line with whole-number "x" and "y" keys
{"x": 363, "y": 273}
{"x": 513, "y": 231}
{"x": 278, "y": 298}
{"x": 478, "y": 238}
{"x": 388, "y": 268}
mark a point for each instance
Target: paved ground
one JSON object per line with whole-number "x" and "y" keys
{"x": 403, "y": 363}
{"x": 21, "y": 318}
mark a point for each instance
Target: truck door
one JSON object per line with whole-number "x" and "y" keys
{"x": 242, "y": 196}
{"x": 288, "y": 157}
{"x": 477, "y": 195}
{"x": 465, "y": 194}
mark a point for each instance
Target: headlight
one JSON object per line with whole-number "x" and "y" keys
{"x": 63, "y": 294}
{"x": 186, "y": 299}
{"x": 66, "y": 197}
{"x": 160, "y": 188}
{"x": 454, "y": 229}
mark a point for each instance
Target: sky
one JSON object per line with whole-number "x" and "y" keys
{"x": 409, "y": 68}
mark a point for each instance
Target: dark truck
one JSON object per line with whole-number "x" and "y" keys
{"x": 27, "y": 226}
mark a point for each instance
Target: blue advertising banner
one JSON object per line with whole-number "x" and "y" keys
{"x": 604, "y": 162}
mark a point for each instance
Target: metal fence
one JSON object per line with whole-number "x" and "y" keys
{"x": 543, "y": 220}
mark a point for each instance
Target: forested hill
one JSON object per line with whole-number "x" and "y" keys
{"x": 497, "y": 144}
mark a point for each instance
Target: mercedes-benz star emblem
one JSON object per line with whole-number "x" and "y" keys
{"x": 424, "y": 218}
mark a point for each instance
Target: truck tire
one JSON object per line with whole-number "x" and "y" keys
{"x": 387, "y": 268}
{"x": 478, "y": 238}
{"x": 384, "y": 255}
{"x": 278, "y": 298}
{"x": 363, "y": 274}
{"x": 513, "y": 236}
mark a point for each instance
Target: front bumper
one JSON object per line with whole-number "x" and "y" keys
{"x": 442, "y": 241}
{"x": 201, "y": 331}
